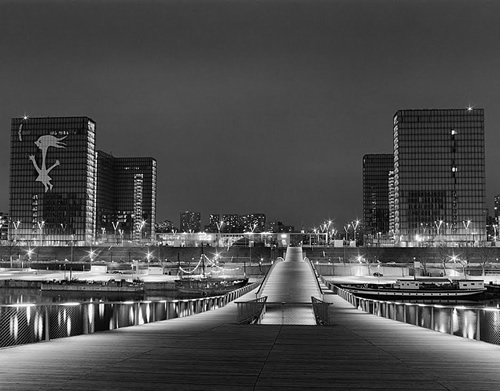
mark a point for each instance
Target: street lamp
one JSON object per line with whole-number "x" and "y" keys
{"x": 466, "y": 226}
{"x": 346, "y": 229}
{"x": 40, "y": 227}
{"x": 115, "y": 226}
{"x": 16, "y": 226}
{"x": 438, "y": 225}
{"x": 219, "y": 226}
{"x": 327, "y": 227}
{"x": 354, "y": 227}
{"x": 120, "y": 231}
{"x": 91, "y": 256}
{"x": 249, "y": 242}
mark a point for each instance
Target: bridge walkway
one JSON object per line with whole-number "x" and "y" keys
{"x": 289, "y": 289}
{"x": 208, "y": 351}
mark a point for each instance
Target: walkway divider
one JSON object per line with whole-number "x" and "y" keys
{"x": 29, "y": 323}
{"x": 321, "y": 312}
{"x": 479, "y": 323}
{"x": 252, "y": 311}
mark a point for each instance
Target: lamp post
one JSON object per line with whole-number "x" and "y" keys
{"x": 438, "y": 226}
{"x": 115, "y": 226}
{"x": 91, "y": 257}
{"x": 466, "y": 226}
{"x": 327, "y": 227}
{"x": 120, "y": 231}
{"x": 143, "y": 223}
{"x": 354, "y": 227}
{"x": 40, "y": 227}
{"x": 249, "y": 242}
{"x": 16, "y": 226}
{"x": 346, "y": 229}
{"x": 219, "y": 226}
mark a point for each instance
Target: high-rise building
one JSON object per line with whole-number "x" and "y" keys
{"x": 439, "y": 175}
{"x": 190, "y": 221}
{"x": 126, "y": 198}
{"x": 52, "y": 180}
{"x": 376, "y": 169}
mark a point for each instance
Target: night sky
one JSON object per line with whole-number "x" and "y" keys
{"x": 250, "y": 106}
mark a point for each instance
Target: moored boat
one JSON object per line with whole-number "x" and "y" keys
{"x": 419, "y": 288}
{"x": 209, "y": 286}
{"x": 82, "y": 286}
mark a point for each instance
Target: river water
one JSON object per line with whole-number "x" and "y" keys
{"x": 36, "y": 296}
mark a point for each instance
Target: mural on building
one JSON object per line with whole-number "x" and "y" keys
{"x": 43, "y": 143}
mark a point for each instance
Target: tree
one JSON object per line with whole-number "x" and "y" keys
{"x": 485, "y": 255}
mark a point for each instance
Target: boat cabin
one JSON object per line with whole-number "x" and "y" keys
{"x": 470, "y": 284}
{"x": 439, "y": 282}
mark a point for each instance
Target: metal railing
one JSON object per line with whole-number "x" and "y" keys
{"x": 251, "y": 312}
{"x": 321, "y": 313}
{"x": 29, "y": 323}
{"x": 481, "y": 324}
{"x": 266, "y": 277}
{"x": 315, "y": 272}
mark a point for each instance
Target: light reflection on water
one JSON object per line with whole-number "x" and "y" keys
{"x": 36, "y": 296}
{"x": 490, "y": 303}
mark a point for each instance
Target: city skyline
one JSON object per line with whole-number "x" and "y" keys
{"x": 250, "y": 107}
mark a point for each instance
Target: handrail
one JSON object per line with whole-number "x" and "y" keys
{"x": 43, "y": 322}
{"x": 316, "y": 275}
{"x": 320, "y": 308}
{"x": 266, "y": 277}
{"x": 481, "y": 324}
{"x": 251, "y": 311}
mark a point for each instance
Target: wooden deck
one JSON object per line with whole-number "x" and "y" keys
{"x": 209, "y": 351}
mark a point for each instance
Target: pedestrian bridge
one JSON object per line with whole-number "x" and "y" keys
{"x": 209, "y": 351}
{"x": 288, "y": 289}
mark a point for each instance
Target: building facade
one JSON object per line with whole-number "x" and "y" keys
{"x": 126, "y": 198}
{"x": 190, "y": 221}
{"x": 52, "y": 180}
{"x": 376, "y": 170}
{"x": 439, "y": 176}
{"x": 255, "y": 222}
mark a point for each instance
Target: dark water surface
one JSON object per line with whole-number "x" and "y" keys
{"x": 36, "y": 296}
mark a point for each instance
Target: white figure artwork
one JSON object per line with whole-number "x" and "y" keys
{"x": 44, "y": 142}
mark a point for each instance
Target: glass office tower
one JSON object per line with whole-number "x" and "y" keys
{"x": 439, "y": 176}
{"x": 376, "y": 169}
{"x": 52, "y": 180}
{"x": 126, "y": 198}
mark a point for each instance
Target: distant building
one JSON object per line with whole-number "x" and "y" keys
{"x": 279, "y": 227}
{"x": 63, "y": 191}
{"x": 126, "y": 198}
{"x": 4, "y": 226}
{"x": 439, "y": 175}
{"x": 255, "y": 222}
{"x": 213, "y": 223}
{"x": 232, "y": 223}
{"x": 190, "y": 222}
{"x": 165, "y": 226}
{"x": 52, "y": 180}
{"x": 376, "y": 169}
